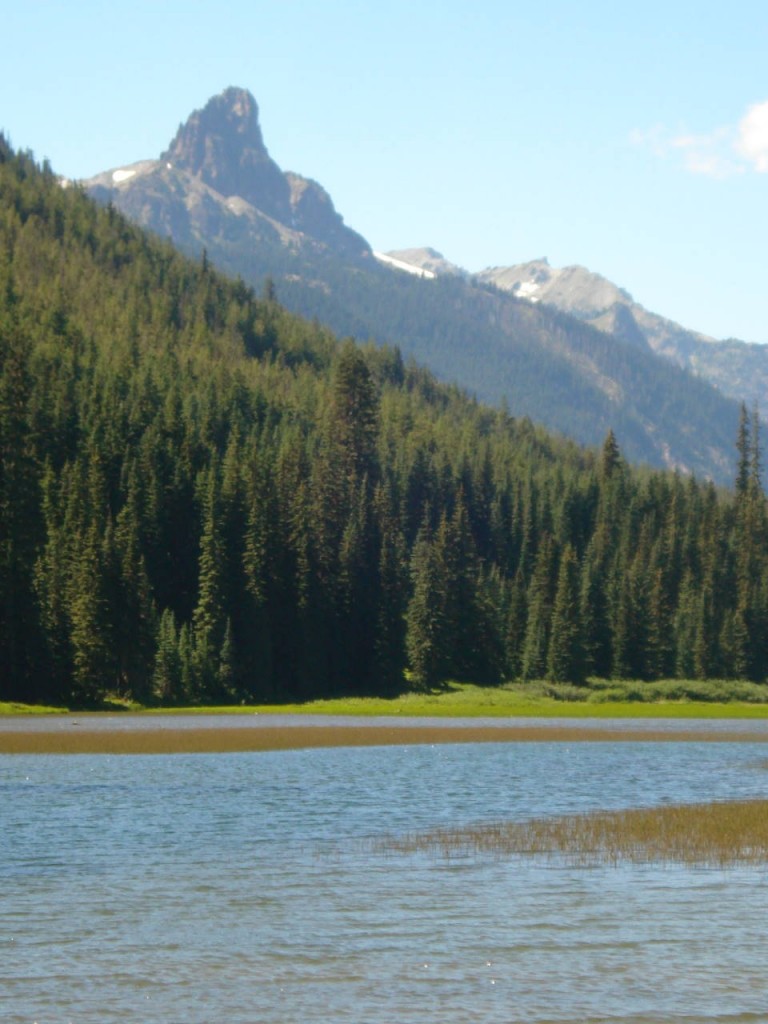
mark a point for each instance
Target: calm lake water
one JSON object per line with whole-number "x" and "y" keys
{"x": 243, "y": 888}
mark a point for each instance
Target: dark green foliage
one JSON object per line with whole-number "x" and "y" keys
{"x": 204, "y": 498}
{"x": 166, "y": 680}
{"x": 428, "y": 637}
{"x": 566, "y": 661}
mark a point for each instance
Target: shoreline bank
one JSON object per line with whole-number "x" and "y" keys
{"x": 78, "y": 736}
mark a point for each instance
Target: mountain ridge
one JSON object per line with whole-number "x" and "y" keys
{"x": 738, "y": 368}
{"x": 550, "y": 366}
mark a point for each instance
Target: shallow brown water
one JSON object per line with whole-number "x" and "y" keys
{"x": 134, "y": 734}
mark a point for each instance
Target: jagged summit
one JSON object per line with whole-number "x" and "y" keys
{"x": 232, "y": 118}
{"x": 580, "y": 291}
{"x": 217, "y": 187}
{"x": 222, "y": 145}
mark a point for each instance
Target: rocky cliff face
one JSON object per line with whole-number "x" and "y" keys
{"x": 216, "y": 187}
{"x": 222, "y": 146}
{"x": 313, "y": 214}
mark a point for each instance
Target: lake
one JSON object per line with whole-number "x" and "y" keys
{"x": 246, "y": 888}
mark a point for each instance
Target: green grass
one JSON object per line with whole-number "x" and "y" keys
{"x": 715, "y": 835}
{"x": 676, "y": 699}
{"x": 673, "y": 699}
{"x": 15, "y": 708}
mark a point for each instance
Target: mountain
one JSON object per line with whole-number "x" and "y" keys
{"x": 216, "y": 185}
{"x": 737, "y": 368}
{"x": 216, "y": 190}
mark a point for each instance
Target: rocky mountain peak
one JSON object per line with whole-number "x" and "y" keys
{"x": 222, "y": 145}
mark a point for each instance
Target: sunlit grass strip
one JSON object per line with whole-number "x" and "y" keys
{"x": 714, "y": 834}
{"x": 11, "y": 707}
{"x": 602, "y": 699}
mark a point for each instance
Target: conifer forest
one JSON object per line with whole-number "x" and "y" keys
{"x": 206, "y": 499}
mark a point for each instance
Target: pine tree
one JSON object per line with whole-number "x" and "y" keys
{"x": 756, "y": 459}
{"x": 19, "y": 522}
{"x": 514, "y": 627}
{"x": 427, "y": 633}
{"x": 227, "y": 668}
{"x": 389, "y": 636}
{"x": 133, "y": 610}
{"x": 610, "y": 459}
{"x": 743, "y": 447}
{"x": 593, "y": 613}
{"x": 167, "y": 687}
{"x": 93, "y": 660}
{"x": 565, "y": 659}
{"x": 685, "y": 629}
{"x": 660, "y": 653}
{"x": 209, "y": 619}
{"x": 263, "y": 580}
{"x": 540, "y": 599}
{"x": 354, "y": 411}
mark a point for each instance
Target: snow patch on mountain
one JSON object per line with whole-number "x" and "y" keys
{"x": 409, "y": 268}
{"x": 528, "y": 290}
{"x": 429, "y": 260}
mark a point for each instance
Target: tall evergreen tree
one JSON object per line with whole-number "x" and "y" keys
{"x": 427, "y": 627}
{"x": 355, "y": 414}
{"x": 565, "y": 659}
{"x": 743, "y": 448}
{"x": 210, "y": 615}
{"x": 540, "y": 600}
{"x": 19, "y": 517}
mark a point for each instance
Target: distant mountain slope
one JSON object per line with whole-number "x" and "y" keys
{"x": 217, "y": 189}
{"x": 738, "y": 368}
{"x": 428, "y": 261}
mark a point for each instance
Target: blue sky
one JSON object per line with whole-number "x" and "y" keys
{"x": 634, "y": 142}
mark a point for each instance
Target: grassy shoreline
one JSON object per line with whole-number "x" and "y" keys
{"x": 453, "y": 715}
{"x": 669, "y": 700}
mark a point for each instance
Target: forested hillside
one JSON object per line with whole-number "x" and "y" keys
{"x": 205, "y": 498}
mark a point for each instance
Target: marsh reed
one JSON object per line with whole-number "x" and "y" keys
{"x": 712, "y": 834}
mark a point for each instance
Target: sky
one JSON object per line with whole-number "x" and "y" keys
{"x": 631, "y": 139}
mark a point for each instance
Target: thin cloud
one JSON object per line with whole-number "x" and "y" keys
{"x": 753, "y": 137}
{"x": 710, "y": 155}
{"x": 654, "y": 139}
{"x": 722, "y": 153}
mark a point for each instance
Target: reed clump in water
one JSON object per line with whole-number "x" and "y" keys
{"x": 714, "y": 834}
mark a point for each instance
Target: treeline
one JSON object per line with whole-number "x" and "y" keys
{"x": 204, "y": 498}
